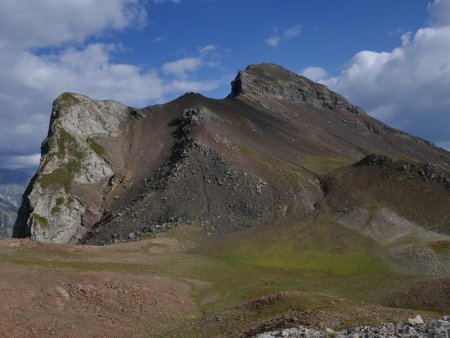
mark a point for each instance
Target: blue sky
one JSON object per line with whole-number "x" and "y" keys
{"x": 392, "y": 57}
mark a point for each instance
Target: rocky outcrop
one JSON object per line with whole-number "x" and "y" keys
{"x": 273, "y": 81}
{"x": 72, "y": 155}
{"x": 415, "y": 327}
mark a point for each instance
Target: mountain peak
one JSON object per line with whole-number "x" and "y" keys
{"x": 271, "y": 81}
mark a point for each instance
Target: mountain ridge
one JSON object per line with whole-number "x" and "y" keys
{"x": 114, "y": 173}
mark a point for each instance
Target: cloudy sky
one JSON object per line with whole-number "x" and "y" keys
{"x": 392, "y": 57}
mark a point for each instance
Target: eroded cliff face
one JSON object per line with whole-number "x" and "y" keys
{"x": 54, "y": 206}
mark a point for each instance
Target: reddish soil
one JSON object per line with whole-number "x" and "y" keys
{"x": 40, "y": 302}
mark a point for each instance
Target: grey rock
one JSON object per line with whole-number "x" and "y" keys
{"x": 258, "y": 81}
{"x": 415, "y": 327}
{"x": 50, "y": 211}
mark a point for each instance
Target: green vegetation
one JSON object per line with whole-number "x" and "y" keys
{"x": 60, "y": 201}
{"x": 320, "y": 165}
{"x": 64, "y": 175}
{"x": 68, "y": 99}
{"x": 97, "y": 148}
{"x": 41, "y": 220}
{"x": 315, "y": 265}
{"x": 55, "y": 210}
{"x": 67, "y": 144}
{"x": 61, "y": 176}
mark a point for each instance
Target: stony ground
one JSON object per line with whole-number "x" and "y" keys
{"x": 415, "y": 327}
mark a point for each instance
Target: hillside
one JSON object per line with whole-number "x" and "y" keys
{"x": 282, "y": 205}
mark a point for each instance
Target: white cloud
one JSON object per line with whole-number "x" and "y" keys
{"x": 292, "y": 32}
{"x": 165, "y": 1}
{"x": 182, "y": 66}
{"x": 439, "y": 13}
{"x": 207, "y": 49}
{"x": 43, "y": 23}
{"x": 409, "y": 86}
{"x": 89, "y": 70}
{"x": 288, "y": 34}
{"x": 316, "y": 74}
{"x": 273, "y": 41}
{"x": 23, "y": 161}
{"x": 191, "y": 86}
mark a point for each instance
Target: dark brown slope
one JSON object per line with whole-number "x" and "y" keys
{"x": 416, "y": 191}
{"x": 253, "y": 158}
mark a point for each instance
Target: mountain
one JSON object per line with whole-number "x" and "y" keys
{"x": 282, "y": 205}
{"x": 12, "y": 186}
{"x": 278, "y": 149}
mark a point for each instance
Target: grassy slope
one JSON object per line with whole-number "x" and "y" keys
{"x": 323, "y": 261}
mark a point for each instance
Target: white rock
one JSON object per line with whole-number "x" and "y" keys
{"x": 330, "y": 331}
{"x": 415, "y": 321}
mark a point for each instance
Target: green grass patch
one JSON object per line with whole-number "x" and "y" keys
{"x": 41, "y": 220}
{"x": 97, "y": 148}
{"x": 310, "y": 262}
{"x": 56, "y": 210}
{"x": 68, "y": 145}
{"x": 68, "y": 99}
{"x": 64, "y": 175}
{"x": 61, "y": 176}
{"x": 60, "y": 201}
{"x": 321, "y": 165}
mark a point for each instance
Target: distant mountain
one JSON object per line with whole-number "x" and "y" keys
{"x": 12, "y": 187}
{"x": 280, "y": 149}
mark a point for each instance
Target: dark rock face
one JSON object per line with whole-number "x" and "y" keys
{"x": 112, "y": 173}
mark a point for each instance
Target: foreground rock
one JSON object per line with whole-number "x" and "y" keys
{"x": 415, "y": 327}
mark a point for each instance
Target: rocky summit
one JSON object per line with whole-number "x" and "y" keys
{"x": 280, "y": 210}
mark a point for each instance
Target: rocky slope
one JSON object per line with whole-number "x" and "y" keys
{"x": 279, "y": 148}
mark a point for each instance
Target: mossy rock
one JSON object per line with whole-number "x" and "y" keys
{"x": 61, "y": 176}
{"x": 41, "y": 220}
{"x": 97, "y": 148}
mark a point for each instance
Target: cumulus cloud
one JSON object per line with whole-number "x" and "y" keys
{"x": 30, "y": 23}
{"x": 24, "y": 161}
{"x": 31, "y": 79}
{"x": 288, "y": 34}
{"x": 273, "y": 41}
{"x": 439, "y": 13}
{"x": 316, "y": 74}
{"x": 182, "y": 66}
{"x": 409, "y": 86}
